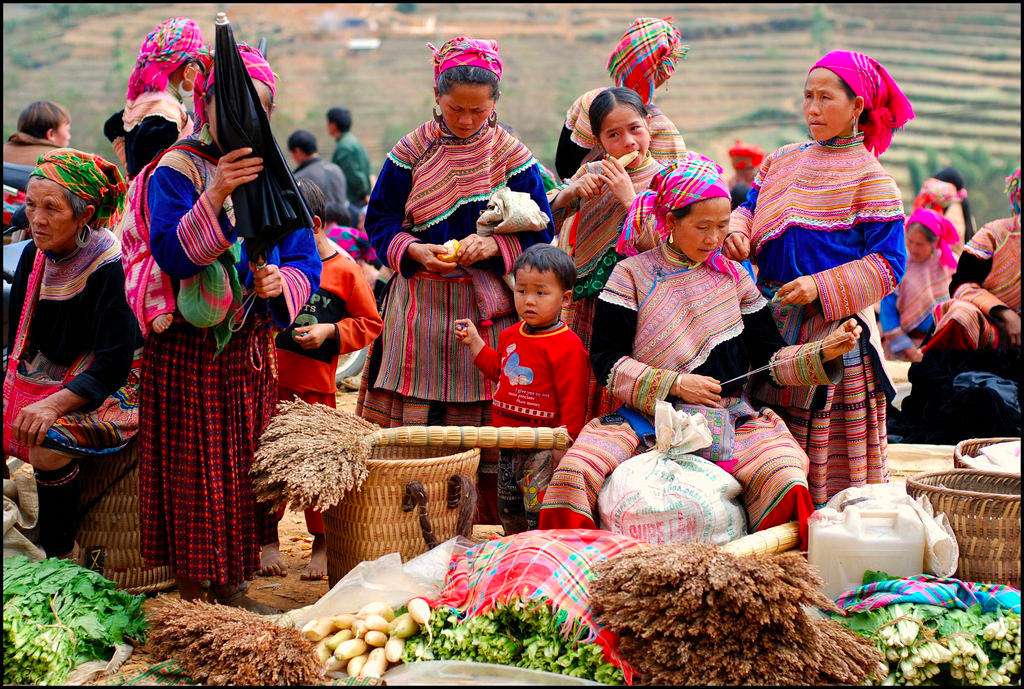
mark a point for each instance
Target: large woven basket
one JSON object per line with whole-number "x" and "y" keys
{"x": 109, "y": 533}
{"x": 420, "y": 491}
{"x": 971, "y": 447}
{"x": 983, "y": 508}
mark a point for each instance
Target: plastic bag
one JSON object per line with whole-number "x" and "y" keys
{"x": 942, "y": 553}
{"x": 1002, "y": 457}
{"x": 670, "y": 496}
{"x": 21, "y": 510}
{"x": 384, "y": 580}
{"x": 461, "y": 673}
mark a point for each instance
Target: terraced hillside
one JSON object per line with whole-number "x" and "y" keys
{"x": 960, "y": 65}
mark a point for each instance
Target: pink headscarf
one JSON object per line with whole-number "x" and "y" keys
{"x": 163, "y": 50}
{"x": 697, "y": 178}
{"x": 888, "y": 109}
{"x": 470, "y": 52}
{"x": 255, "y": 64}
{"x": 942, "y": 228}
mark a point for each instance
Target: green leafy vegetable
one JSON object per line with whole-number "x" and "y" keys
{"x": 58, "y": 615}
{"x": 518, "y": 633}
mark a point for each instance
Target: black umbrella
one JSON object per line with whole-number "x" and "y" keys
{"x": 269, "y": 207}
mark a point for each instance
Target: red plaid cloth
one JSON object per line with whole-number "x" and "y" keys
{"x": 555, "y": 566}
{"x": 201, "y": 417}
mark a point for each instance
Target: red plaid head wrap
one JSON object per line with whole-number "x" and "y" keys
{"x": 87, "y": 176}
{"x": 469, "y": 52}
{"x": 255, "y": 64}
{"x": 888, "y": 109}
{"x": 163, "y": 50}
{"x": 646, "y": 55}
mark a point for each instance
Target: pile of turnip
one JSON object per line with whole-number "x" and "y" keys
{"x": 366, "y": 643}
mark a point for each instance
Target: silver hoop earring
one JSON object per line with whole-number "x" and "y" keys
{"x": 855, "y": 127}
{"x": 438, "y": 117}
{"x": 82, "y": 238}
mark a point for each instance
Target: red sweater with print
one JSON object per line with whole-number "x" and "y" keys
{"x": 542, "y": 379}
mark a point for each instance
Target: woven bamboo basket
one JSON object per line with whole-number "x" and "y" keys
{"x": 983, "y": 508}
{"x": 971, "y": 447}
{"x": 109, "y": 533}
{"x": 420, "y": 491}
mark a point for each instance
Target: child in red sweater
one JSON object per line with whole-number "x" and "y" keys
{"x": 541, "y": 370}
{"x": 340, "y": 317}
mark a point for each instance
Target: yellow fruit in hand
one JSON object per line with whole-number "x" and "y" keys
{"x": 452, "y": 246}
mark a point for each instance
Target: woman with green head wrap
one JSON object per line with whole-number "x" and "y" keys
{"x": 71, "y": 384}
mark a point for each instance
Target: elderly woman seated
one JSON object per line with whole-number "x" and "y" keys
{"x": 71, "y": 385}
{"x": 682, "y": 323}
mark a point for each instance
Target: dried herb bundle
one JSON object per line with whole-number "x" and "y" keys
{"x": 221, "y": 645}
{"x": 311, "y": 456}
{"x": 692, "y": 614}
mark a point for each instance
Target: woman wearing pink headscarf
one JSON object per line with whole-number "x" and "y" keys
{"x": 906, "y": 315}
{"x": 823, "y": 222}
{"x": 643, "y": 59}
{"x": 159, "y": 92}
{"x": 432, "y": 188}
{"x": 208, "y": 380}
{"x": 683, "y": 324}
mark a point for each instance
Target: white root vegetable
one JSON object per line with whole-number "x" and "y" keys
{"x": 334, "y": 665}
{"x": 375, "y": 665}
{"x": 376, "y": 623}
{"x": 315, "y": 630}
{"x": 343, "y": 621}
{"x": 333, "y": 641}
{"x": 419, "y": 611}
{"x": 394, "y": 648}
{"x": 382, "y": 609}
{"x": 322, "y": 652}
{"x": 358, "y": 629}
{"x": 403, "y": 626}
{"x": 350, "y": 649}
{"x": 375, "y": 639}
{"x": 355, "y": 665}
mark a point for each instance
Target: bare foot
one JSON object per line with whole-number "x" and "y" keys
{"x": 235, "y": 597}
{"x": 317, "y": 567}
{"x": 271, "y": 564}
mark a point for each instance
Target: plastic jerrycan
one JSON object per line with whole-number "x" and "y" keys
{"x": 845, "y": 546}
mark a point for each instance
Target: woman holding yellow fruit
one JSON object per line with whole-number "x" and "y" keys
{"x": 422, "y": 219}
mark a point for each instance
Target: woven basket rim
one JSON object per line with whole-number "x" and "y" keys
{"x": 958, "y": 449}
{"x": 406, "y": 463}
{"x": 917, "y": 482}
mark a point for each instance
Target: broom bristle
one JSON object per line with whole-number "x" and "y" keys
{"x": 311, "y": 456}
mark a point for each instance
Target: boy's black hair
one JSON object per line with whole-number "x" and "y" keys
{"x": 313, "y": 195}
{"x": 546, "y": 258}
{"x": 302, "y": 140}
{"x": 341, "y": 118}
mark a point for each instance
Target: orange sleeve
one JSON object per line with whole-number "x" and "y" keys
{"x": 571, "y": 366}
{"x": 364, "y": 323}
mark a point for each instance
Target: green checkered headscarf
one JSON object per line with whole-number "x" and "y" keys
{"x": 89, "y": 177}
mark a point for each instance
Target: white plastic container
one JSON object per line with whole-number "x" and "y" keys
{"x": 843, "y": 545}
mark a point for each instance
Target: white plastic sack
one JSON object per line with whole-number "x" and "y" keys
{"x": 384, "y": 580}
{"x": 1003, "y": 457}
{"x": 462, "y": 673}
{"x": 21, "y": 510}
{"x": 942, "y": 553}
{"x": 670, "y": 496}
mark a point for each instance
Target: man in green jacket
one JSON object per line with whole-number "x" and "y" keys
{"x": 350, "y": 156}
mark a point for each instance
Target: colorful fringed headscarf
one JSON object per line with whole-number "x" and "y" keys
{"x": 745, "y": 156}
{"x": 469, "y": 52}
{"x": 1013, "y": 191}
{"x": 697, "y": 178}
{"x": 646, "y": 55}
{"x": 942, "y": 228}
{"x": 164, "y": 50}
{"x": 888, "y": 109}
{"x": 87, "y": 176}
{"x": 255, "y": 64}
{"x": 938, "y": 195}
